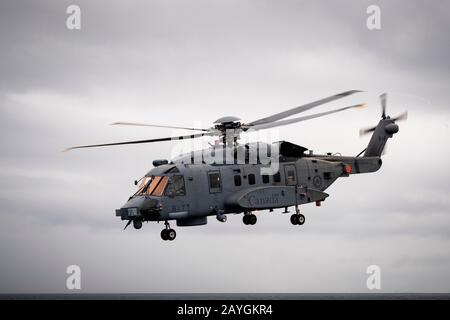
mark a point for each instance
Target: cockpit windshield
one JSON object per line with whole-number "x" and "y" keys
{"x": 142, "y": 183}
{"x": 153, "y": 186}
{"x": 158, "y": 185}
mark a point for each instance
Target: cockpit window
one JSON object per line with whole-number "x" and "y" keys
{"x": 159, "y": 188}
{"x": 142, "y": 184}
{"x": 175, "y": 186}
{"x": 152, "y": 186}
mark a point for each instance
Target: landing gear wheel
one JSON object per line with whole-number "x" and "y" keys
{"x": 297, "y": 219}
{"x": 164, "y": 234}
{"x": 171, "y": 234}
{"x": 168, "y": 234}
{"x": 249, "y": 219}
{"x": 301, "y": 219}
{"x": 137, "y": 224}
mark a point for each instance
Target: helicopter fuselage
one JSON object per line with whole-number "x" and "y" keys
{"x": 188, "y": 193}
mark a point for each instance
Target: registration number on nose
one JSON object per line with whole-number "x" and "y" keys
{"x": 132, "y": 212}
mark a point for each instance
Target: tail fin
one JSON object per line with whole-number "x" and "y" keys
{"x": 385, "y": 129}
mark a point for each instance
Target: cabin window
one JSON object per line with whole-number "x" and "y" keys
{"x": 175, "y": 187}
{"x": 265, "y": 178}
{"x": 237, "y": 180}
{"x": 251, "y": 178}
{"x": 291, "y": 176}
{"x": 277, "y": 177}
{"x": 215, "y": 182}
{"x": 289, "y": 171}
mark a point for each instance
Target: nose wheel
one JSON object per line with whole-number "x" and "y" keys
{"x": 137, "y": 224}
{"x": 168, "y": 234}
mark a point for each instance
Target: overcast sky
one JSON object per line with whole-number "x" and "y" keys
{"x": 190, "y": 63}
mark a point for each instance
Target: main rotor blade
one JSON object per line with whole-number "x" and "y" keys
{"x": 192, "y": 136}
{"x": 290, "y": 121}
{"x": 302, "y": 108}
{"x": 154, "y": 125}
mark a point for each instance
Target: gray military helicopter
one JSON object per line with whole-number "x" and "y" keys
{"x": 189, "y": 191}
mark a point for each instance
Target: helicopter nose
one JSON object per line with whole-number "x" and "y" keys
{"x": 139, "y": 207}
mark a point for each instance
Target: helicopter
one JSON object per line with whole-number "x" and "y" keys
{"x": 255, "y": 176}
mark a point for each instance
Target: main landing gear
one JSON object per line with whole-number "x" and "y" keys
{"x": 297, "y": 218}
{"x": 167, "y": 233}
{"x": 249, "y": 219}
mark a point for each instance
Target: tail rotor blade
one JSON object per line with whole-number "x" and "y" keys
{"x": 402, "y": 116}
{"x": 383, "y": 100}
{"x": 364, "y": 131}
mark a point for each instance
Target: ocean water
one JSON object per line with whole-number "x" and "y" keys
{"x": 229, "y": 296}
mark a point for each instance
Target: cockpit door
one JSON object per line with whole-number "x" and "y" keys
{"x": 176, "y": 194}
